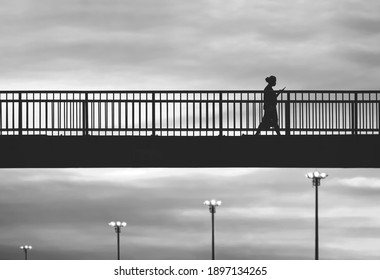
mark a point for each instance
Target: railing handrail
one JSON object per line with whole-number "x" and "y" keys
{"x": 192, "y": 91}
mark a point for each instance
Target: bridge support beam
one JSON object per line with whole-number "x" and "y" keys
{"x": 245, "y": 151}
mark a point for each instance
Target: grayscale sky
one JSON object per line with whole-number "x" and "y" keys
{"x": 266, "y": 213}
{"x": 181, "y": 44}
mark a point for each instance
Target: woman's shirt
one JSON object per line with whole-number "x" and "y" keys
{"x": 270, "y": 98}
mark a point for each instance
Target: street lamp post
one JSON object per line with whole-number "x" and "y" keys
{"x": 26, "y": 248}
{"x": 212, "y": 207}
{"x": 118, "y": 225}
{"x": 316, "y": 179}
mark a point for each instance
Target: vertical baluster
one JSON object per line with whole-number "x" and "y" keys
{"x": 161, "y": 114}
{"x": 112, "y": 113}
{"x": 329, "y": 112}
{"x": 367, "y": 114}
{"x": 138, "y": 114}
{"x": 46, "y": 114}
{"x": 13, "y": 113}
{"x": 323, "y": 113}
{"x": 126, "y": 114}
{"x": 213, "y": 113}
{"x": 133, "y": 114}
{"x": 247, "y": 113}
{"x": 100, "y": 113}
{"x": 154, "y": 114}
{"x": 336, "y": 113}
{"x": 33, "y": 112}
{"x": 354, "y": 114}
{"x": 72, "y": 115}
{"x": 6, "y": 113}
{"x": 220, "y": 114}
{"x": 66, "y": 113}
{"x": 1, "y": 114}
{"x": 19, "y": 113}
{"x": 187, "y": 114}
{"x": 167, "y": 113}
{"x": 106, "y": 114}
{"x": 180, "y": 114}
{"x": 241, "y": 114}
{"x": 40, "y": 113}
{"x": 207, "y": 113}
{"x": 52, "y": 114}
{"x": 234, "y": 114}
{"x": 200, "y": 113}
{"x": 146, "y": 114}
{"x": 228, "y": 114}
{"x": 59, "y": 113}
{"x": 254, "y": 112}
{"x": 287, "y": 114}
{"x": 301, "y": 115}
{"x": 27, "y": 113}
{"x": 378, "y": 112}
{"x": 193, "y": 114}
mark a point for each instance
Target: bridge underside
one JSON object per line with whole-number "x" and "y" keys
{"x": 244, "y": 151}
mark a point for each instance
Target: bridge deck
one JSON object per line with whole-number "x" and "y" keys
{"x": 244, "y": 151}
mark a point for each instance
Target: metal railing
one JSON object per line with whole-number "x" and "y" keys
{"x": 185, "y": 113}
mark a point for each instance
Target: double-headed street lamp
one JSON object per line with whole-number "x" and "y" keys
{"x": 118, "y": 225}
{"x": 316, "y": 179}
{"x": 26, "y": 248}
{"x": 212, "y": 207}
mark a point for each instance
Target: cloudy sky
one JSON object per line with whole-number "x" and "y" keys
{"x": 180, "y": 44}
{"x": 266, "y": 213}
{"x": 198, "y": 44}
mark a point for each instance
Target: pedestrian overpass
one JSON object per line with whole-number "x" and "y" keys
{"x": 187, "y": 129}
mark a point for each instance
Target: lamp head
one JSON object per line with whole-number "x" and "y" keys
{"x": 207, "y": 203}
{"x": 316, "y": 175}
{"x": 212, "y": 204}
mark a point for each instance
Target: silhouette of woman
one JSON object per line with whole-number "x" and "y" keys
{"x": 270, "y": 102}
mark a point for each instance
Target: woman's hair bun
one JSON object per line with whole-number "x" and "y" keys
{"x": 270, "y": 78}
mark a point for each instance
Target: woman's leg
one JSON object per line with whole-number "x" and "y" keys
{"x": 277, "y": 128}
{"x": 259, "y": 129}
{"x": 275, "y": 121}
{"x": 264, "y": 123}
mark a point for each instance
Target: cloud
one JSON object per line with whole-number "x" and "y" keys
{"x": 360, "y": 182}
{"x": 185, "y": 45}
{"x": 56, "y": 204}
{"x": 64, "y": 212}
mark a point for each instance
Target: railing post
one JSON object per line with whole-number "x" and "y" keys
{"x": 153, "y": 114}
{"x": 354, "y": 117}
{"x": 378, "y": 116}
{"x": 287, "y": 114}
{"x": 85, "y": 115}
{"x": 19, "y": 114}
{"x": 220, "y": 114}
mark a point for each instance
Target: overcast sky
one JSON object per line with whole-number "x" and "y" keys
{"x": 180, "y": 44}
{"x": 266, "y": 213}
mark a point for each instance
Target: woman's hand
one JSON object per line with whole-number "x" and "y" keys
{"x": 281, "y": 90}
